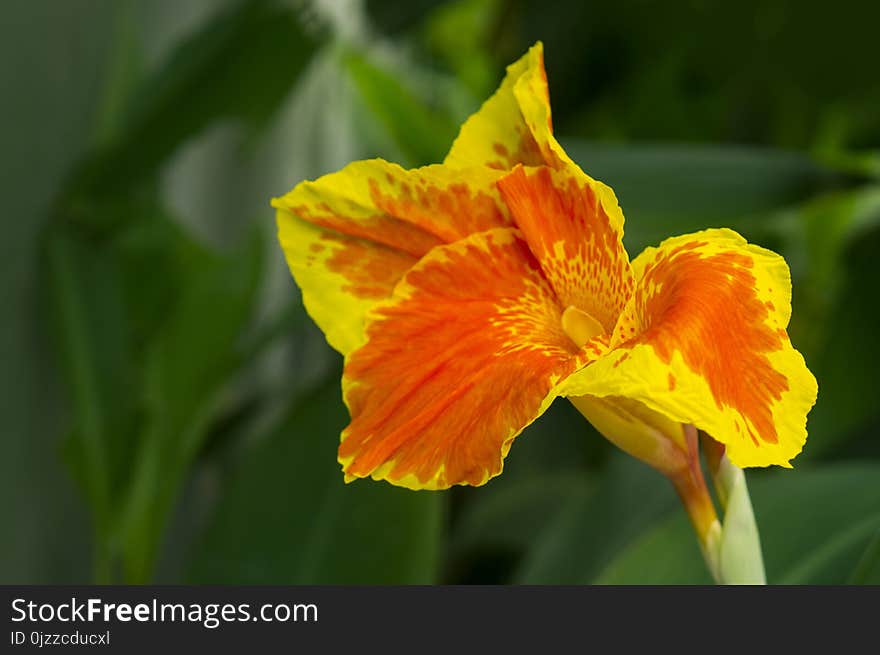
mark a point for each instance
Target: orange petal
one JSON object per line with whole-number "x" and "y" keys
{"x": 461, "y": 359}
{"x": 703, "y": 341}
{"x": 575, "y": 231}
{"x": 350, "y": 236}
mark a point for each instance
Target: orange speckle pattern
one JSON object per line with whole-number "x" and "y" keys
{"x": 447, "y": 213}
{"x": 515, "y": 126}
{"x": 371, "y": 270}
{"x": 570, "y": 234}
{"x": 526, "y": 152}
{"x": 410, "y": 213}
{"x": 707, "y": 309}
{"x": 456, "y": 365}
{"x": 385, "y": 230}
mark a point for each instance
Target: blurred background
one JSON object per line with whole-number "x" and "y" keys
{"x": 171, "y": 415}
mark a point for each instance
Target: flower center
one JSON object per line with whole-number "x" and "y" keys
{"x": 580, "y": 326}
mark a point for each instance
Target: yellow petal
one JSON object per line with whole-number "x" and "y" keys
{"x": 703, "y": 341}
{"x": 497, "y": 135}
{"x": 515, "y": 125}
{"x": 350, "y": 236}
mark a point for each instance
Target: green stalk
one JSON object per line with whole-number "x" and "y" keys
{"x": 741, "y": 559}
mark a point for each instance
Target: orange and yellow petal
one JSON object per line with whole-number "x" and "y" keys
{"x": 497, "y": 135}
{"x": 515, "y": 125}
{"x": 463, "y": 357}
{"x": 341, "y": 277}
{"x": 533, "y": 98}
{"x": 350, "y": 236}
{"x": 703, "y": 341}
{"x": 578, "y": 243}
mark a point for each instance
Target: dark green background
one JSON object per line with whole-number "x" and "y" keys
{"x": 170, "y": 414}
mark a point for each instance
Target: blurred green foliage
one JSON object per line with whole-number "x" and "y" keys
{"x": 170, "y": 412}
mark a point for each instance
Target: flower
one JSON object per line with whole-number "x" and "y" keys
{"x": 467, "y": 296}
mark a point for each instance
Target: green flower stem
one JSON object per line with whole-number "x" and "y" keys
{"x": 741, "y": 558}
{"x": 690, "y": 485}
{"x": 731, "y": 548}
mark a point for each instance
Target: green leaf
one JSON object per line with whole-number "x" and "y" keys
{"x": 843, "y": 324}
{"x": 589, "y": 529}
{"x": 552, "y": 465}
{"x": 149, "y": 319}
{"x": 666, "y": 554}
{"x": 422, "y": 133}
{"x": 240, "y": 66}
{"x": 638, "y": 70}
{"x": 814, "y": 525}
{"x": 91, "y": 336}
{"x": 286, "y": 516}
{"x": 498, "y": 522}
{"x": 508, "y": 514}
{"x": 197, "y": 347}
{"x": 674, "y": 189}
{"x": 809, "y": 519}
{"x": 459, "y": 32}
{"x": 867, "y": 571}
{"x": 147, "y": 323}
{"x": 391, "y": 17}
{"x": 187, "y": 375}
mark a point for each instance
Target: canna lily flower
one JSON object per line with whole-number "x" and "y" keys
{"x": 467, "y": 296}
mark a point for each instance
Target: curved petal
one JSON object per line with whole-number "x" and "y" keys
{"x": 533, "y": 97}
{"x": 461, "y": 359}
{"x": 703, "y": 341}
{"x": 578, "y": 243}
{"x": 350, "y": 236}
{"x": 515, "y": 125}
{"x": 497, "y": 135}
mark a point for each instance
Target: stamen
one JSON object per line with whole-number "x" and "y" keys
{"x": 580, "y": 326}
